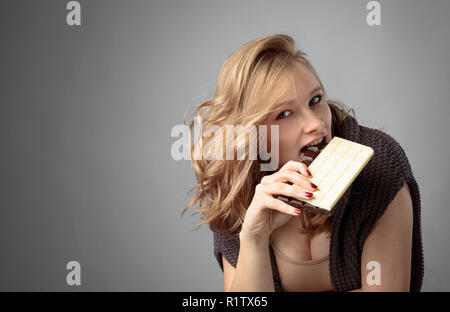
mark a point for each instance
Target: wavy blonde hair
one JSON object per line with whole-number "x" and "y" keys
{"x": 250, "y": 83}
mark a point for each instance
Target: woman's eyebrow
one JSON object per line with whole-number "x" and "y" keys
{"x": 293, "y": 100}
{"x": 315, "y": 89}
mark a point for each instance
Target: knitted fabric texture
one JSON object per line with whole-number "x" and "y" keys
{"x": 370, "y": 194}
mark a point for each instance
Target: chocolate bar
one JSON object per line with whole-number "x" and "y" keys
{"x": 334, "y": 167}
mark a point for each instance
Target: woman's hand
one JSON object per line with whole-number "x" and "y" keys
{"x": 264, "y": 206}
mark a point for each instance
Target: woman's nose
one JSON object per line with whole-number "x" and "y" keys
{"x": 312, "y": 123}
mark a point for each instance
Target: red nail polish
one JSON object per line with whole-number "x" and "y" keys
{"x": 313, "y": 185}
{"x": 308, "y": 194}
{"x": 308, "y": 172}
{"x": 297, "y": 211}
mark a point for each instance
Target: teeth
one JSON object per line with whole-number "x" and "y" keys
{"x": 316, "y": 142}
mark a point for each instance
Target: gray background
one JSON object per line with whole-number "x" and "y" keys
{"x": 87, "y": 111}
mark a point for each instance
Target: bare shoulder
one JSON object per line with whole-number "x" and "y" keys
{"x": 390, "y": 245}
{"x": 228, "y": 274}
{"x": 400, "y": 209}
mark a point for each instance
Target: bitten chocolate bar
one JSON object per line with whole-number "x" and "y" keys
{"x": 333, "y": 167}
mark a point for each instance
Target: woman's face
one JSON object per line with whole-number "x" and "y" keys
{"x": 304, "y": 119}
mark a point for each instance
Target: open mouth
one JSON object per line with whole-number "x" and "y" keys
{"x": 312, "y": 148}
{"x": 313, "y": 144}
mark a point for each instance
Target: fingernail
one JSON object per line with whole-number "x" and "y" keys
{"x": 313, "y": 185}
{"x": 308, "y": 172}
{"x": 308, "y": 194}
{"x": 297, "y": 211}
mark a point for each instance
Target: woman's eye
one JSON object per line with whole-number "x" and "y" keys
{"x": 282, "y": 114}
{"x": 319, "y": 99}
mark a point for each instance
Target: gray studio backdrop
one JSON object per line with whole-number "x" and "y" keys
{"x": 87, "y": 111}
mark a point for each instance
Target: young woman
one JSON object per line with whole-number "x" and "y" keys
{"x": 370, "y": 242}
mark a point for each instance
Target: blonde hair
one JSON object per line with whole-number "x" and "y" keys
{"x": 250, "y": 83}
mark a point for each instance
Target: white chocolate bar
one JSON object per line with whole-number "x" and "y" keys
{"x": 335, "y": 169}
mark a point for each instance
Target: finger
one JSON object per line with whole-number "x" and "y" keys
{"x": 304, "y": 170}
{"x": 281, "y": 206}
{"x": 296, "y": 166}
{"x": 286, "y": 190}
{"x": 293, "y": 176}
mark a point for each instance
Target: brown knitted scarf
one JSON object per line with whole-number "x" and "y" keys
{"x": 353, "y": 220}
